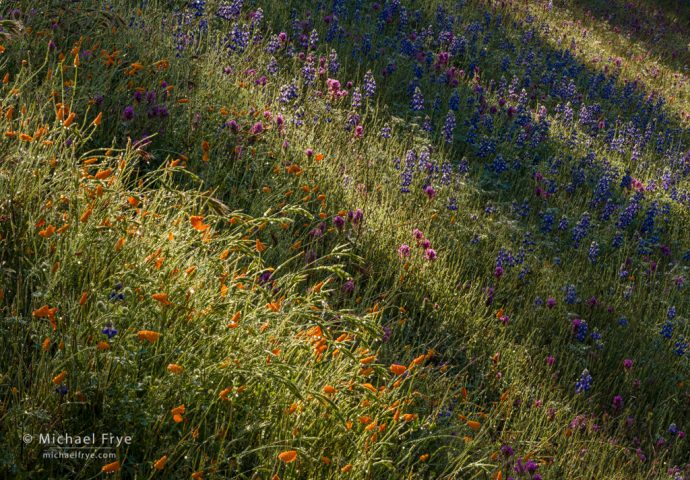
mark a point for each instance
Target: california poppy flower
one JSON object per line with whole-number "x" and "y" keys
{"x": 198, "y": 224}
{"x": 234, "y": 321}
{"x": 473, "y": 424}
{"x": 103, "y": 174}
{"x": 175, "y": 368}
{"x": 398, "y": 369}
{"x": 223, "y": 395}
{"x": 47, "y": 232}
{"x": 368, "y": 360}
{"x": 177, "y": 413}
{"x": 408, "y": 417}
{"x": 370, "y": 387}
{"x": 60, "y": 377}
{"x": 111, "y": 467}
{"x": 160, "y": 463}
{"x": 85, "y": 216}
{"x": 69, "y": 120}
{"x": 288, "y": 456}
{"x": 161, "y": 298}
{"x": 44, "y": 312}
{"x": 148, "y": 335}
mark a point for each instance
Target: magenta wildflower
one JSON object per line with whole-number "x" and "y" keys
{"x": 430, "y": 254}
{"x": 257, "y": 128}
{"x": 617, "y": 402}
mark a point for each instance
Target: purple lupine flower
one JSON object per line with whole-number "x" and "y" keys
{"x": 627, "y": 364}
{"x": 584, "y": 383}
{"x": 109, "y": 331}
{"x": 356, "y": 98}
{"x": 449, "y": 127}
{"x": 404, "y": 250}
{"x": 128, "y": 112}
{"x": 339, "y": 222}
{"x": 417, "y": 104}
{"x": 369, "y": 84}
{"x": 386, "y": 131}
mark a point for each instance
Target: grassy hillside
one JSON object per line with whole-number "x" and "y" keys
{"x": 345, "y": 239}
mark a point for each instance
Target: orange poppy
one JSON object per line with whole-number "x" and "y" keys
{"x": 111, "y": 467}
{"x": 473, "y": 424}
{"x": 162, "y": 298}
{"x": 148, "y": 335}
{"x": 288, "y": 456}
{"x": 45, "y": 312}
{"x": 198, "y": 224}
{"x": 368, "y": 360}
{"x": 103, "y": 174}
{"x": 60, "y": 377}
{"x": 160, "y": 463}
{"x": 234, "y": 321}
{"x": 69, "y": 120}
{"x": 47, "y": 232}
{"x": 175, "y": 368}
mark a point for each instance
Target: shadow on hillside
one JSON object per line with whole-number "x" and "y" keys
{"x": 662, "y": 27}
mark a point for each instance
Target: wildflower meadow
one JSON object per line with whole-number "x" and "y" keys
{"x": 345, "y": 239}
